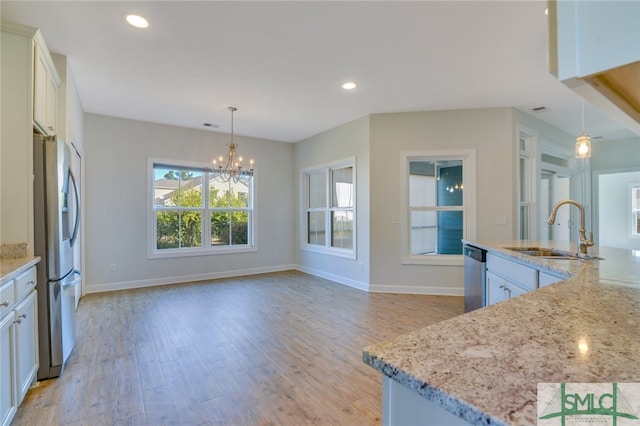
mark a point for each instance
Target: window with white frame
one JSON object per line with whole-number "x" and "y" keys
{"x": 439, "y": 205}
{"x": 635, "y": 210}
{"x": 329, "y": 208}
{"x": 191, "y": 213}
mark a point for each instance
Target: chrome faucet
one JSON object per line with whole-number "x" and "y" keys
{"x": 584, "y": 242}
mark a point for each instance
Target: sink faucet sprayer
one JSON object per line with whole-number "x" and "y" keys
{"x": 584, "y": 242}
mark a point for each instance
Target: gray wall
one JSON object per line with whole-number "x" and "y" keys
{"x": 349, "y": 140}
{"x": 490, "y": 132}
{"x": 116, "y": 152}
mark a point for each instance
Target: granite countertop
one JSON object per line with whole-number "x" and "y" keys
{"x": 484, "y": 366}
{"x": 9, "y": 268}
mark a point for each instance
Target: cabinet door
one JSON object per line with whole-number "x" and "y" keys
{"x": 499, "y": 289}
{"x": 513, "y": 290}
{"x": 26, "y": 343}
{"x": 40, "y": 83}
{"x": 8, "y": 400}
{"x": 52, "y": 99}
{"x": 7, "y": 297}
{"x": 495, "y": 289}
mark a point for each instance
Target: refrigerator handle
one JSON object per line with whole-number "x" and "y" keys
{"x": 77, "y": 218}
{"x": 75, "y": 280}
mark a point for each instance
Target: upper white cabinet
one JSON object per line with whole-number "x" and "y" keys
{"x": 45, "y": 91}
{"x": 594, "y": 49}
{"x": 29, "y": 82}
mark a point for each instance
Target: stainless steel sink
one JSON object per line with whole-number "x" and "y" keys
{"x": 548, "y": 252}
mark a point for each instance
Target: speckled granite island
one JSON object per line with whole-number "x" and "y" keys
{"x": 483, "y": 367}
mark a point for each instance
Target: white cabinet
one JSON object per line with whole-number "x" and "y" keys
{"x": 27, "y": 68}
{"x": 499, "y": 289}
{"x": 18, "y": 341}
{"x": 26, "y": 343}
{"x": 45, "y": 91}
{"x": 507, "y": 278}
{"x": 8, "y": 399}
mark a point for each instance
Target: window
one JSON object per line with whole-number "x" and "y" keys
{"x": 329, "y": 197}
{"x": 635, "y": 210}
{"x": 524, "y": 189}
{"x": 193, "y": 214}
{"x": 438, "y": 207}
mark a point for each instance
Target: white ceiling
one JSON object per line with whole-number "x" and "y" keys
{"x": 282, "y": 63}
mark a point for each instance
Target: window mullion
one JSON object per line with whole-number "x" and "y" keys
{"x": 206, "y": 215}
{"x": 327, "y": 217}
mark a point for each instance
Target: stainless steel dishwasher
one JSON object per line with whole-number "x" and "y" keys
{"x": 475, "y": 267}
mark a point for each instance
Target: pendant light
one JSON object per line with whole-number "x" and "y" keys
{"x": 583, "y": 142}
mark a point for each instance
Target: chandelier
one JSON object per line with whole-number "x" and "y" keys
{"x": 231, "y": 169}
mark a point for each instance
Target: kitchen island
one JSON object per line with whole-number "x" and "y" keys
{"x": 483, "y": 367}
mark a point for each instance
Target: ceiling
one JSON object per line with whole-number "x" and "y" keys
{"x": 283, "y": 63}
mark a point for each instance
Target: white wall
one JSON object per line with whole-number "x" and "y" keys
{"x": 491, "y": 133}
{"x": 116, "y": 152}
{"x": 616, "y": 155}
{"x": 612, "y": 162}
{"x": 614, "y": 210}
{"x": 349, "y": 140}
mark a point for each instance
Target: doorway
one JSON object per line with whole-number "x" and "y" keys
{"x": 618, "y": 209}
{"x": 554, "y": 186}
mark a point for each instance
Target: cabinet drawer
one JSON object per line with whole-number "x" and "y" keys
{"x": 7, "y": 298}
{"x": 514, "y": 272}
{"x": 25, "y": 283}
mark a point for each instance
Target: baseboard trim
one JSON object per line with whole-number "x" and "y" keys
{"x": 359, "y": 285}
{"x": 404, "y": 289}
{"x": 335, "y": 278}
{"x": 127, "y": 285}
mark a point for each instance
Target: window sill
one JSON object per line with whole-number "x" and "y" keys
{"x": 165, "y": 254}
{"x": 348, "y": 254}
{"x": 435, "y": 260}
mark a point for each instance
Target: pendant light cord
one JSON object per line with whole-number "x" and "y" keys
{"x": 581, "y": 103}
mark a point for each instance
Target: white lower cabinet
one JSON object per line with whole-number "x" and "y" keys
{"x": 26, "y": 326}
{"x": 8, "y": 400}
{"x": 18, "y": 342}
{"x": 499, "y": 289}
{"x": 507, "y": 278}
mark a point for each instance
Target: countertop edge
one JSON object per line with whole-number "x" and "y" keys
{"x": 455, "y": 406}
{"x": 9, "y": 268}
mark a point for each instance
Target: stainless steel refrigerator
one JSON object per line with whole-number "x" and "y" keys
{"x": 56, "y": 223}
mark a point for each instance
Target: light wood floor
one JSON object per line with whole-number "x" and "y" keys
{"x": 281, "y": 348}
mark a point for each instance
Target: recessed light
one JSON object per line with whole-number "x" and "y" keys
{"x": 350, "y": 85}
{"x": 137, "y": 21}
